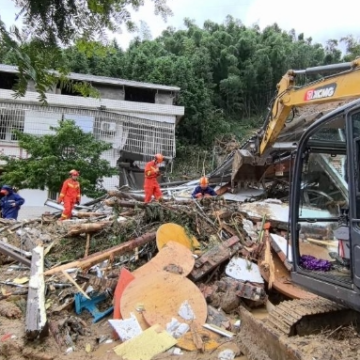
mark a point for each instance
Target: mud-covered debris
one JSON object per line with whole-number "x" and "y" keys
{"x": 10, "y": 310}
{"x": 229, "y": 301}
{"x": 36, "y": 355}
{"x": 215, "y": 256}
{"x": 218, "y": 318}
{"x": 247, "y": 290}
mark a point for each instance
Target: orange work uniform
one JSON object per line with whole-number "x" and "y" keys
{"x": 151, "y": 185}
{"x": 70, "y": 195}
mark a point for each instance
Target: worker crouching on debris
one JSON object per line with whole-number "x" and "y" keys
{"x": 203, "y": 190}
{"x": 70, "y": 194}
{"x": 10, "y": 203}
{"x": 151, "y": 185}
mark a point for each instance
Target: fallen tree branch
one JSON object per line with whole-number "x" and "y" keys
{"x": 84, "y": 214}
{"x": 124, "y": 195}
{"x": 87, "y": 228}
{"x": 117, "y": 202}
{"x": 100, "y": 256}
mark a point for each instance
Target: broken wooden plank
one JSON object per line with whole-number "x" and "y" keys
{"x": 100, "y": 256}
{"x": 215, "y": 256}
{"x": 197, "y": 338}
{"x": 36, "y": 324}
{"x": 75, "y": 284}
{"x": 7, "y": 251}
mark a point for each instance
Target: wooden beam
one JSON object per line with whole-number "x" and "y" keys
{"x": 36, "y": 324}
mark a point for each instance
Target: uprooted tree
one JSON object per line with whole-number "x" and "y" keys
{"x": 50, "y": 158}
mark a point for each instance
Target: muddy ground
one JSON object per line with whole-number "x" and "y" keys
{"x": 13, "y": 345}
{"x": 342, "y": 343}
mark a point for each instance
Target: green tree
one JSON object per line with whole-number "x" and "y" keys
{"x": 51, "y": 157}
{"x": 227, "y": 72}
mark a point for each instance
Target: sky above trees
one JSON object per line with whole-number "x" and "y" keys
{"x": 319, "y": 19}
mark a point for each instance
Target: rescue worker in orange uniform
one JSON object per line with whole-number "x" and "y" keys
{"x": 203, "y": 190}
{"x": 70, "y": 194}
{"x": 151, "y": 185}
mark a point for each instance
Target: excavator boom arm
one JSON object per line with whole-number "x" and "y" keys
{"x": 345, "y": 85}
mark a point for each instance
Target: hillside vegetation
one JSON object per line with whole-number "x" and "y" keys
{"x": 227, "y": 72}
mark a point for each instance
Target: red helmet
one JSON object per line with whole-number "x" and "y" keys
{"x": 204, "y": 181}
{"x": 159, "y": 158}
{"x": 74, "y": 172}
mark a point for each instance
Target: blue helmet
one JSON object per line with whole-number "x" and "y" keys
{"x": 7, "y": 188}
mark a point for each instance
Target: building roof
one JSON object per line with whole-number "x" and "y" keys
{"x": 102, "y": 80}
{"x": 158, "y": 112}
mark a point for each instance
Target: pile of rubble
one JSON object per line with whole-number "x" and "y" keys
{"x": 123, "y": 279}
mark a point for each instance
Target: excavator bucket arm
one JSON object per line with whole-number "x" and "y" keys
{"x": 278, "y": 137}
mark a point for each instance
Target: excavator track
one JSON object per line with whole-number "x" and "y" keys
{"x": 288, "y": 315}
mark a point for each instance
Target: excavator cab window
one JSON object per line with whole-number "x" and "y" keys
{"x": 323, "y": 228}
{"x": 353, "y": 121}
{"x": 325, "y": 208}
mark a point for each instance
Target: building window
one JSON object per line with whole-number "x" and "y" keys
{"x": 19, "y": 127}
{"x": 11, "y": 120}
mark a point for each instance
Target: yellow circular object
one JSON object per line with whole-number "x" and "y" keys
{"x": 172, "y": 254}
{"x": 160, "y": 296}
{"x": 174, "y": 232}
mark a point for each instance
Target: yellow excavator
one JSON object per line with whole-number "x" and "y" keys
{"x": 317, "y": 127}
{"x": 293, "y": 109}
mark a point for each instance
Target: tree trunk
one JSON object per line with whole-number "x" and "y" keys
{"x": 100, "y": 256}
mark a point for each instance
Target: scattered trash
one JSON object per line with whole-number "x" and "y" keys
{"x": 242, "y": 269}
{"x": 311, "y": 263}
{"x": 127, "y": 328}
{"x": 218, "y": 330}
{"x": 226, "y": 355}
{"x": 149, "y": 343}
{"x": 186, "y": 312}
{"x": 81, "y": 303}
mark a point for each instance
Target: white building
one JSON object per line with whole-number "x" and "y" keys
{"x": 138, "y": 119}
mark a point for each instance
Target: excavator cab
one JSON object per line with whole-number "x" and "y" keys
{"x": 325, "y": 206}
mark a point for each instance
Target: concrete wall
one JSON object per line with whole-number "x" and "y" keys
{"x": 164, "y": 98}
{"x": 110, "y": 92}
